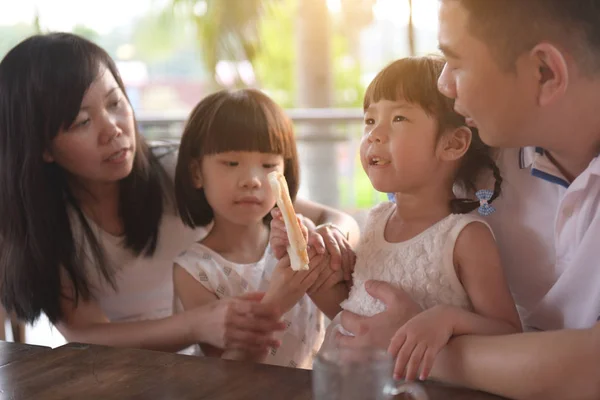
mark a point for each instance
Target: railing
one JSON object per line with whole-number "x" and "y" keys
{"x": 328, "y": 144}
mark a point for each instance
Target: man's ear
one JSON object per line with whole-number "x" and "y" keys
{"x": 454, "y": 144}
{"x": 551, "y": 72}
{"x": 196, "y": 174}
{"x": 47, "y": 157}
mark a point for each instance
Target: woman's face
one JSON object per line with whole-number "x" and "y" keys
{"x": 99, "y": 146}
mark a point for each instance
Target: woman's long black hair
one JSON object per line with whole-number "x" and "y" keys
{"x": 42, "y": 83}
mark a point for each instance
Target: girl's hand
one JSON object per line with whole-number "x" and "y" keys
{"x": 288, "y": 286}
{"x": 416, "y": 344}
{"x": 339, "y": 249}
{"x": 278, "y": 239}
{"x": 323, "y": 239}
{"x": 238, "y": 323}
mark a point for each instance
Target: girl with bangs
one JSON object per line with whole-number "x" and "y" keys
{"x": 232, "y": 141}
{"x": 425, "y": 242}
{"x": 89, "y": 225}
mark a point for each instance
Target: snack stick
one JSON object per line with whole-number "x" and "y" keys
{"x": 297, "y": 247}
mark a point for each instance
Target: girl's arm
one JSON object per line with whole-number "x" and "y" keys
{"x": 418, "y": 341}
{"x": 328, "y": 300}
{"x": 480, "y": 272}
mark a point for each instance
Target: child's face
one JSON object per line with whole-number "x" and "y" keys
{"x": 236, "y": 184}
{"x": 398, "y": 148}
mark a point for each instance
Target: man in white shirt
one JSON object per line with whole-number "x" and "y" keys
{"x": 527, "y": 74}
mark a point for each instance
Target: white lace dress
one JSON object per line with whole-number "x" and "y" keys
{"x": 422, "y": 266}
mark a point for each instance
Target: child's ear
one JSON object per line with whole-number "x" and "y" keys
{"x": 454, "y": 144}
{"x": 196, "y": 174}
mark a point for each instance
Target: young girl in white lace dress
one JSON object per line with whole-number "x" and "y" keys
{"x": 231, "y": 142}
{"x": 426, "y": 241}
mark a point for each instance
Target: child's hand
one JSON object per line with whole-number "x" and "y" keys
{"x": 416, "y": 344}
{"x": 324, "y": 238}
{"x": 279, "y": 241}
{"x": 288, "y": 286}
{"x": 338, "y": 247}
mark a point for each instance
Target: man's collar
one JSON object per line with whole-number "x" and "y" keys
{"x": 541, "y": 166}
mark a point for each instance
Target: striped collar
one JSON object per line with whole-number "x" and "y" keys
{"x": 540, "y": 166}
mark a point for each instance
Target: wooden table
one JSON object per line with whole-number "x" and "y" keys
{"x": 95, "y": 372}
{"x": 10, "y": 352}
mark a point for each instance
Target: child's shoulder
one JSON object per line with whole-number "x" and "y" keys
{"x": 468, "y": 229}
{"x": 469, "y": 221}
{"x": 198, "y": 254}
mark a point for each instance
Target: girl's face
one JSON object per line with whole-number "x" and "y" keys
{"x": 398, "y": 148}
{"x": 99, "y": 147}
{"x": 236, "y": 186}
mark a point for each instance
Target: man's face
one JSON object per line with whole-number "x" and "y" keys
{"x": 500, "y": 103}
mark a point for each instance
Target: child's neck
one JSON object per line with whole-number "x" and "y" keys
{"x": 242, "y": 244}
{"x": 415, "y": 212}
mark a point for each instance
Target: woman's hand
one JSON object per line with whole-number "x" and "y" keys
{"x": 237, "y": 323}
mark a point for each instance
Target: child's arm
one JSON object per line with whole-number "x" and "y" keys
{"x": 285, "y": 290}
{"x": 241, "y": 327}
{"x": 481, "y": 274}
{"x": 329, "y": 288}
{"x": 478, "y": 267}
{"x": 329, "y": 300}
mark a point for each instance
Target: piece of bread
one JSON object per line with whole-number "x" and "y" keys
{"x": 297, "y": 248}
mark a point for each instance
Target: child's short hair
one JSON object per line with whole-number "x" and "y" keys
{"x": 240, "y": 120}
{"x": 414, "y": 79}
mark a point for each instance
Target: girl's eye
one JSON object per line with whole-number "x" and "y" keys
{"x": 399, "y": 118}
{"x": 115, "y": 103}
{"x": 369, "y": 121}
{"x": 231, "y": 163}
{"x": 269, "y": 166}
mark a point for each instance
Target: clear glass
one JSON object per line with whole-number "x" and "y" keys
{"x": 343, "y": 373}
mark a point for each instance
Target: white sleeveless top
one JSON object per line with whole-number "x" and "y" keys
{"x": 144, "y": 285}
{"x": 305, "y": 329}
{"x": 422, "y": 266}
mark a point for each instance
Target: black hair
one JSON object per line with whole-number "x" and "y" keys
{"x": 241, "y": 120}
{"x": 512, "y": 27}
{"x": 42, "y": 83}
{"x": 414, "y": 79}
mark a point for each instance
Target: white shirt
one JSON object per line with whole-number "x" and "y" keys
{"x": 547, "y": 231}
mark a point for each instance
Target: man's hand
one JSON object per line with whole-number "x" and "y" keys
{"x": 416, "y": 344}
{"x": 379, "y": 329}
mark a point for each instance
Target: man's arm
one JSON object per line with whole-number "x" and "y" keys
{"x": 561, "y": 365}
